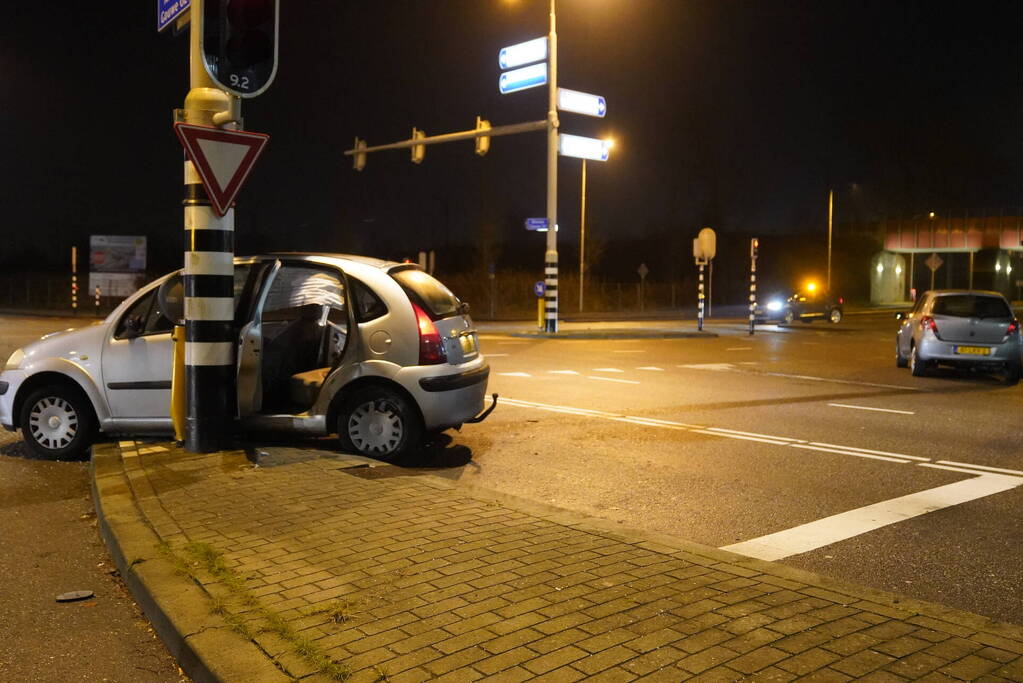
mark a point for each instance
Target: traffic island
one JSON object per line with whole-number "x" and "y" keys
{"x": 306, "y": 563}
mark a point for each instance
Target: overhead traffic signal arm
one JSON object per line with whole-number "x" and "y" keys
{"x": 481, "y": 134}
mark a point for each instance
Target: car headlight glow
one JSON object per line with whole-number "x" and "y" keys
{"x": 774, "y": 305}
{"x": 14, "y": 362}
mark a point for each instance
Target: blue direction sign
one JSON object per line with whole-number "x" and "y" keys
{"x": 538, "y": 224}
{"x": 539, "y": 288}
{"x": 169, "y": 10}
{"x": 521, "y": 79}
{"x": 581, "y": 102}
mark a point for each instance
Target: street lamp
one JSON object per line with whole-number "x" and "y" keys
{"x": 582, "y": 229}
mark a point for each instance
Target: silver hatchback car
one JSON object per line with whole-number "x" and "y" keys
{"x": 380, "y": 353}
{"x": 960, "y": 328}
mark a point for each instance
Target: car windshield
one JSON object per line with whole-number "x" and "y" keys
{"x": 971, "y": 306}
{"x": 428, "y": 292}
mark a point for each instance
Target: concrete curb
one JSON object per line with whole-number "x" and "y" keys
{"x": 204, "y": 646}
{"x": 614, "y": 334}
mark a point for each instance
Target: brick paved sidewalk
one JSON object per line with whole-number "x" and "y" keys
{"x": 332, "y": 568}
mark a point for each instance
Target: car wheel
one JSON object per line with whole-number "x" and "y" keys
{"x": 900, "y": 360}
{"x": 57, "y": 422}
{"x": 835, "y": 316}
{"x": 1012, "y": 374}
{"x": 789, "y": 317}
{"x": 917, "y": 367}
{"x": 381, "y": 423}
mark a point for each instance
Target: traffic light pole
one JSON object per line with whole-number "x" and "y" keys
{"x": 210, "y": 381}
{"x": 551, "y": 255}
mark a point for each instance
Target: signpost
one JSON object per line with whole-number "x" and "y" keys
{"x": 536, "y": 224}
{"x": 167, "y": 11}
{"x": 584, "y": 148}
{"x": 704, "y": 250}
{"x": 933, "y": 262}
{"x": 522, "y": 53}
{"x": 223, "y": 159}
{"x": 643, "y": 272}
{"x": 581, "y": 103}
{"x": 522, "y": 79}
{"x": 754, "y": 248}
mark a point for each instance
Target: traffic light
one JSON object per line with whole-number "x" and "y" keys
{"x": 754, "y": 247}
{"x": 359, "y": 158}
{"x": 239, "y": 44}
{"x": 418, "y": 151}
{"x": 482, "y": 142}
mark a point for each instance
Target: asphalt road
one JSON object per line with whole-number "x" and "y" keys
{"x": 51, "y": 546}
{"x": 809, "y": 430}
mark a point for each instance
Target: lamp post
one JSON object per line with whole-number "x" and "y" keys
{"x": 551, "y": 255}
{"x": 582, "y": 239}
{"x": 831, "y": 205}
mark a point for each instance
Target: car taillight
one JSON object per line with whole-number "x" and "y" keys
{"x": 431, "y": 346}
{"x": 841, "y": 300}
{"x": 927, "y": 322}
{"x": 1013, "y": 327}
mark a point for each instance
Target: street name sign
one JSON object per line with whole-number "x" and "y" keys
{"x": 169, "y": 10}
{"x": 522, "y": 79}
{"x": 581, "y": 103}
{"x": 583, "y": 148}
{"x": 523, "y": 53}
{"x": 223, "y": 159}
{"x": 537, "y": 224}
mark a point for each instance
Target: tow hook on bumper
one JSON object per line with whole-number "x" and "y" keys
{"x": 482, "y": 416}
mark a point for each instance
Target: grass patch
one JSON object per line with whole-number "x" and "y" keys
{"x": 202, "y": 559}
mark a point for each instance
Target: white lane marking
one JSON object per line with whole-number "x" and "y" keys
{"x": 512, "y": 342}
{"x": 722, "y": 432}
{"x": 563, "y": 372}
{"x": 607, "y": 370}
{"x": 766, "y": 436}
{"x": 496, "y": 355}
{"x": 880, "y": 410}
{"x": 867, "y": 450}
{"x": 739, "y": 348}
{"x": 653, "y": 368}
{"x": 807, "y": 537}
{"x": 628, "y": 351}
{"x": 982, "y": 467}
{"x": 612, "y": 379}
{"x": 812, "y": 447}
{"x": 716, "y": 367}
{"x": 514, "y": 374}
{"x": 839, "y": 381}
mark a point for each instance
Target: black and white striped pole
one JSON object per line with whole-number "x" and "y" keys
{"x": 754, "y": 246}
{"x": 699, "y": 298}
{"x": 550, "y": 266}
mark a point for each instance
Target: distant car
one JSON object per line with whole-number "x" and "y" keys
{"x": 380, "y": 353}
{"x": 805, "y": 306}
{"x": 962, "y": 329}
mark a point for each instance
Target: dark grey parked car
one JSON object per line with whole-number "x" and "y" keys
{"x": 960, "y": 328}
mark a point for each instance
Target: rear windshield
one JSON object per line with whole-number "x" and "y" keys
{"x": 428, "y": 292}
{"x": 971, "y": 306}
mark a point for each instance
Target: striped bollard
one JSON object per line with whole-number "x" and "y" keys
{"x": 754, "y": 247}
{"x": 551, "y": 293}
{"x": 699, "y": 302}
{"x": 74, "y": 280}
{"x": 210, "y": 382}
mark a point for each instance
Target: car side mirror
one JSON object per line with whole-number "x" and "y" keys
{"x": 170, "y": 299}
{"x": 463, "y": 308}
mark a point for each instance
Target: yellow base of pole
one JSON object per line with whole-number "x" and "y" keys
{"x": 178, "y": 411}
{"x": 539, "y": 313}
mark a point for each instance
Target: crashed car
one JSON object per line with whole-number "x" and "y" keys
{"x": 378, "y": 352}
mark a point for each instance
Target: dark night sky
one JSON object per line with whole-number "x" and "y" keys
{"x": 738, "y": 115}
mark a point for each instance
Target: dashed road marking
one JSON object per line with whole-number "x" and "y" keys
{"x": 563, "y": 372}
{"x": 880, "y": 410}
{"x": 607, "y": 370}
{"x": 716, "y": 367}
{"x": 612, "y": 379}
{"x": 514, "y": 374}
{"x": 652, "y": 368}
{"x": 496, "y": 355}
{"x": 739, "y": 348}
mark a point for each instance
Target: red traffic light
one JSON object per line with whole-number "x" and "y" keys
{"x": 239, "y": 44}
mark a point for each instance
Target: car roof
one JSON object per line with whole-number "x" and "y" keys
{"x": 334, "y": 259}
{"x": 976, "y": 292}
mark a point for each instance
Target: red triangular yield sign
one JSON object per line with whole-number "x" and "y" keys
{"x": 223, "y": 159}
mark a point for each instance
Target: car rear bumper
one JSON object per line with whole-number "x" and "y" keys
{"x": 940, "y": 351}
{"x": 447, "y": 400}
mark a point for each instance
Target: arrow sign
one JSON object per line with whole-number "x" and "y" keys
{"x": 523, "y": 53}
{"x": 521, "y": 79}
{"x": 581, "y": 102}
{"x": 223, "y": 159}
{"x": 583, "y": 148}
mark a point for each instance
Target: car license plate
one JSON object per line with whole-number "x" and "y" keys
{"x": 468, "y": 342}
{"x": 973, "y": 350}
